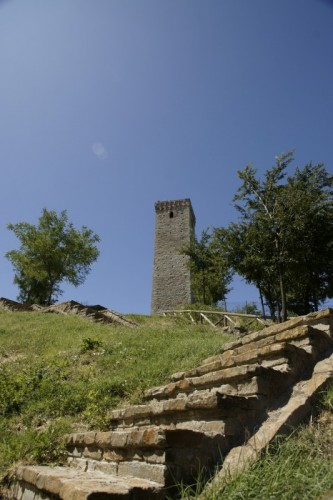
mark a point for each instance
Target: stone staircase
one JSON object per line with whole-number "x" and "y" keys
{"x": 203, "y": 419}
{"x": 70, "y": 307}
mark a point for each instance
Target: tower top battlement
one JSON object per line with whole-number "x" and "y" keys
{"x": 174, "y": 204}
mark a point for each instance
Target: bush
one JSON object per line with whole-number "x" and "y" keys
{"x": 89, "y": 344}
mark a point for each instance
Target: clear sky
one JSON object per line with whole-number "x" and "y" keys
{"x": 107, "y": 106}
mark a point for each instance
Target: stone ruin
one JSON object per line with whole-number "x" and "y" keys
{"x": 217, "y": 416}
{"x": 97, "y": 314}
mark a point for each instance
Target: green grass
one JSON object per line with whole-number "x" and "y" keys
{"x": 62, "y": 373}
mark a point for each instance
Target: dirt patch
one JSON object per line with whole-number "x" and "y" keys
{"x": 10, "y": 358}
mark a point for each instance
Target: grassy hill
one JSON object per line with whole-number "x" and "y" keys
{"x": 61, "y": 373}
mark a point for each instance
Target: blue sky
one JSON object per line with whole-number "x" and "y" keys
{"x": 107, "y": 106}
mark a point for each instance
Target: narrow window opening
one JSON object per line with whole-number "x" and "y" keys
{"x": 171, "y": 215}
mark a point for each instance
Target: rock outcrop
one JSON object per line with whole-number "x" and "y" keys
{"x": 219, "y": 414}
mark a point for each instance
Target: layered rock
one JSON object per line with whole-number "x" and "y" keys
{"x": 202, "y": 418}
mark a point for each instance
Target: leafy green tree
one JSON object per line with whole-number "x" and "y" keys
{"x": 51, "y": 252}
{"x": 245, "y": 253}
{"x": 210, "y": 272}
{"x": 221, "y": 271}
{"x": 283, "y": 242}
{"x": 308, "y": 203}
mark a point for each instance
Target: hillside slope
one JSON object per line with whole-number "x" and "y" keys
{"x": 60, "y": 373}
{"x": 267, "y": 379}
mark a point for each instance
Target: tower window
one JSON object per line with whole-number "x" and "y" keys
{"x": 171, "y": 215}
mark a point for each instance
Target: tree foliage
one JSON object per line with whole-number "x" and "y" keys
{"x": 210, "y": 273}
{"x": 51, "y": 252}
{"x": 284, "y": 240}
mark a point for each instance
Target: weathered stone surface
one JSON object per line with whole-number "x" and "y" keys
{"x": 166, "y": 391}
{"x": 118, "y": 446}
{"x": 223, "y": 376}
{"x": 174, "y": 226}
{"x": 243, "y": 354}
{"x": 156, "y": 457}
{"x": 118, "y": 439}
{"x": 202, "y": 400}
{"x": 149, "y": 438}
{"x": 258, "y": 385}
{"x": 81, "y": 438}
{"x": 209, "y": 379}
{"x": 107, "y": 467}
{"x": 142, "y": 470}
{"x": 136, "y": 411}
{"x": 71, "y": 484}
{"x": 280, "y": 421}
{"x": 91, "y": 453}
{"x": 169, "y": 406}
{"x": 206, "y": 368}
{"x": 115, "y": 455}
{"x": 102, "y": 439}
{"x": 177, "y": 376}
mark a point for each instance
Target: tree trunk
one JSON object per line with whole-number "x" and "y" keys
{"x": 283, "y": 297}
{"x": 270, "y": 303}
{"x": 49, "y": 299}
{"x": 204, "y": 286}
{"x": 262, "y": 303}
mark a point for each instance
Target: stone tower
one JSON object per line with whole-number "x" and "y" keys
{"x": 174, "y": 226}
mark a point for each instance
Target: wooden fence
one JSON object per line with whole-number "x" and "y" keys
{"x": 214, "y": 318}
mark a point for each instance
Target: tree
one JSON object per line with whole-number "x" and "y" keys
{"x": 221, "y": 272}
{"x": 51, "y": 252}
{"x": 284, "y": 240}
{"x": 210, "y": 273}
{"x": 308, "y": 203}
{"x": 246, "y": 249}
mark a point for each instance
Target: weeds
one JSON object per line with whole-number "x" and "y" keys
{"x": 41, "y": 444}
{"x": 89, "y": 344}
{"x": 58, "y": 373}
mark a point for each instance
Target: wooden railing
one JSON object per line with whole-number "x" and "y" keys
{"x": 214, "y": 318}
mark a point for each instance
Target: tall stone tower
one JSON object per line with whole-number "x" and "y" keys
{"x": 174, "y": 226}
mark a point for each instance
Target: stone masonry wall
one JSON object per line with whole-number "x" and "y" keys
{"x": 174, "y": 226}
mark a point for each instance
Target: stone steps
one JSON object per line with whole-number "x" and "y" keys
{"x": 70, "y": 307}
{"x": 43, "y": 482}
{"x": 279, "y": 422}
{"x": 261, "y": 348}
{"x": 162, "y": 458}
{"x": 200, "y": 406}
{"x": 187, "y": 426}
{"x": 135, "y": 452}
{"x": 280, "y": 357}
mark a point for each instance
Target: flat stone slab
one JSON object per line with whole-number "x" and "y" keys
{"x": 39, "y": 482}
{"x": 133, "y": 438}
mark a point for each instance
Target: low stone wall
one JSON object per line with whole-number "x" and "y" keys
{"x": 70, "y": 307}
